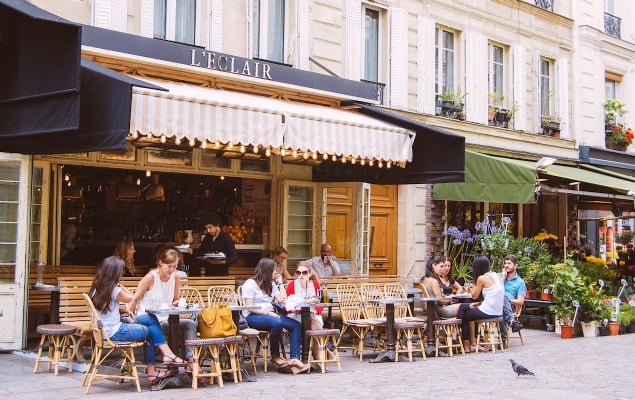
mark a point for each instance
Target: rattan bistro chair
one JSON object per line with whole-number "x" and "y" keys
{"x": 405, "y": 324}
{"x": 350, "y": 304}
{"x": 260, "y": 346}
{"x": 444, "y": 331}
{"x": 515, "y": 335}
{"x": 103, "y": 347}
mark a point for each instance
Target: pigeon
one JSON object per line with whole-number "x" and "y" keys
{"x": 519, "y": 369}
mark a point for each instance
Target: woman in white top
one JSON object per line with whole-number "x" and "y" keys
{"x": 107, "y": 295}
{"x": 488, "y": 284}
{"x": 261, "y": 290}
{"x": 161, "y": 285}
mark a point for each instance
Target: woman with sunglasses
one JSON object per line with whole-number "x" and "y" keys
{"x": 162, "y": 285}
{"x": 306, "y": 285}
{"x": 260, "y": 290}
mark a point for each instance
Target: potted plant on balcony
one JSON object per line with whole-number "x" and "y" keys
{"x": 453, "y": 100}
{"x": 551, "y": 124}
{"x": 619, "y": 137}
{"x": 613, "y": 109}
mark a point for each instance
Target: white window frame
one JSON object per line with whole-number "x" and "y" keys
{"x": 546, "y": 86}
{"x": 442, "y": 82}
{"x": 380, "y": 42}
{"x": 498, "y": 85}
{"x": 263, "y": 33}
{"x": 171, "y": 23}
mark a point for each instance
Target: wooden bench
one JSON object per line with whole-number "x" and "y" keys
{"x": 241, "y": 273}
{"x": 73, "y": 310}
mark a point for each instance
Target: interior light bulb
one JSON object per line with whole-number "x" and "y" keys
{"x": 389, "y": 164}
{"x": 204, "y": 144}
{"x": 314, "y": 155}
{"x": 217, "y": 144}
{"x": 163, "y": 139}
{"x": 256, "y": 148}
{"x": 177, "y": 141}
{"x": 343, "y": 159}
{"x": 138, "y": 181}
{"x": 305, "y": 155}
{"x": 371, "y": 162}
{"x": 353, "y": 160}
{"x": 295, "y": 153}
{"x": 268, "y": 152}
{"x": 380, "y": 164}
{"x": 283, "y": 152}
{"x": 362, "y": 161}
{"x": 148, "y": 173}
{"x": 242, "y": 148}
{"x": 325, "y": 156}
{"x": 334, "y": 158}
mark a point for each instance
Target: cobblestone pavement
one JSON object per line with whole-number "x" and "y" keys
{"x": 579, "y": 368}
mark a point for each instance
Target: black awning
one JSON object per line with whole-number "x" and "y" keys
{"x": 51, "y": 99}
{"x": 437, "y": 156}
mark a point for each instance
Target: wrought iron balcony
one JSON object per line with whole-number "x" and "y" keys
{"x": 612, "y": 25}
{"x": 380, "y": 89}
{"x": 545, "y": 4}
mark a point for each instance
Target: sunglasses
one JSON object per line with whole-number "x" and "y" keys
{"x": 302, "y": 272}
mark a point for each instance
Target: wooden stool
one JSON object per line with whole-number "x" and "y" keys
{"x": 59, "y": 337}
{"x": 322, "y": 337}
{"x": 489, "y": 333}
{"x": 407, "y": 329}
{"x": 232, "y": 344}
{"x": 200, "y": 348}
{"x": 449, "y": 327}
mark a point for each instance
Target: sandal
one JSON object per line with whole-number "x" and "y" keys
{"x": 279, "y": 362}
{"x": 176, "y": 360}
{"x": 294, "y": 362}
{"x": 480, "y": 348}
{"x": 299, "y": 370}
{"x": 160, "y": 374}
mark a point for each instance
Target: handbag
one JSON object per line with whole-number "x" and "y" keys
{"x": 216, "y": 321}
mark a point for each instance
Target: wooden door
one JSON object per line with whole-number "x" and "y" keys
{"x": 383, "y": 225}
{"x": 339, "y": 222}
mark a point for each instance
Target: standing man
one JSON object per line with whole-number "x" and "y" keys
{"x": 216, "y": 241}
{"x": 325, "y": 264}
{"x": 514, "y": 294}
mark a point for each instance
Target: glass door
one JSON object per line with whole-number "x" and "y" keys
{"x": 15, "y": 176}
{"x": 298, "y": 221}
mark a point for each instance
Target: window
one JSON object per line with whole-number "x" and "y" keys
{"x": 175, "y": 20}
{"x": 268, "y": 29}
{"x": 496, "y": 69}
{"x": 371, "y": 44}
{"x": 545, "y": 87}
{"x": 444, "y": 60}
{"x": 609, "y": 88}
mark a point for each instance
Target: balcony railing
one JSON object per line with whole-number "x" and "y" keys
{"x": 612, "y": 25}
{"x": 380, "y": 90}
{"x": 545, "y": 4}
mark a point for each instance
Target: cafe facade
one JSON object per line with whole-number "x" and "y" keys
{"x": 121, "y": 136}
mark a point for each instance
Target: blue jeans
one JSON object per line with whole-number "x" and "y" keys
{"x": 275, "y": 325}
{"x": 147, "y": 328}
{"x": 508, "y": 316}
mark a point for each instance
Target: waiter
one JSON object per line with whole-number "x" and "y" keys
{"x": 216, "y": 241}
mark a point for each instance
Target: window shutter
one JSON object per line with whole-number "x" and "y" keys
{"x": 398, "y": 58}
{"x": 302, "y": 27}
{"x": 110, "y": 14}
{"x": 536, "y": 91}
{"x": 353, "y": 39}
{"x": 216, "y": 28}
{"x": 425, "y": 65}
{"x": 518, "y": 89}
{"x": 147, "y": 18}
{"x": 475, "y": 83}
{"x": 562, "y": 85}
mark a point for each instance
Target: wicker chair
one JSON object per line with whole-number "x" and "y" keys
{"x": 444, "y": 331}
{"x": 515, "y": 335}
{"x": 59, "y": 338}
{"x": 405, "y": 324}
{"x": 374, "y": 313}
{"x": 259, "y": 349}
{"x": 488, "y": 333}
{"x": 350, "y": 304}
{"x": 103, "y": 347}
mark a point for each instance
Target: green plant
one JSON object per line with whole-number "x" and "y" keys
{"x": 626, "y": 315}
{"x": 513, "y": 110}
{"x": 463, "y": 271}
{"x": 496, "y": 100}
{"x": 568, "y": 285}
{"x": 455, "y": 96}
{"x": 625, "y": 238}
{"x": 532, "y": 256}
{"x": 613, "y": 109}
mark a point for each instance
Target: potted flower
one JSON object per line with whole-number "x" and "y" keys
{"x": 613, "y": 109}
{"x": 619, "y": 137}
{"x": 550, "y": 124}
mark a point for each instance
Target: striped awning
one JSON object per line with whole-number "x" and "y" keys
{"x": 190, "y": 112}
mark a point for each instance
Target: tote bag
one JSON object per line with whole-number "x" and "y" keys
{"x": 216, "y": 321}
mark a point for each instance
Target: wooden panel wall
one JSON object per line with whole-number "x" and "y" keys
{"x": 383, "y": 222}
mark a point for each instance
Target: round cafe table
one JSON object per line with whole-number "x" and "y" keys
{"x": 389, "y": 354}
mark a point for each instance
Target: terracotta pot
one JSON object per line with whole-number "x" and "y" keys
{"x": 614, "y": 328}
{"x": 545, "y": 296}
{"x": 566, "y": 331}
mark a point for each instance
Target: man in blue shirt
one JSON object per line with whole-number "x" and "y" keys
{"x": 514, "y": 294}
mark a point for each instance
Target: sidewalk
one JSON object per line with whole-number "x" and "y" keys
{"x": 580, "y": 368}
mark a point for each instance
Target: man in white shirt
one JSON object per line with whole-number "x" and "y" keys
{"x": 325, "y": 264}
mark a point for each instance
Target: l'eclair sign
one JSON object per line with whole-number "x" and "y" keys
{"x": 227, "y": 63}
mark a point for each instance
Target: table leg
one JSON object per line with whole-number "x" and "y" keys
{"x": 54, "y": 314}
{"x": 175, "y": 340}
{"x": 411, "y": 296}
{"x": 389, "y": 353}
{"x": 305, "y": 317}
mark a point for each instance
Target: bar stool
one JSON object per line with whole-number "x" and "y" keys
{"x": 406, "y": 330}
{"x": 322, "y": 338}
{"x": 450, "y": 327}
{"x": 489, "y": 333}
{"x": 59, "y": 338}
{"x": 200, "y": 349}
{"x": 232, "y": 344}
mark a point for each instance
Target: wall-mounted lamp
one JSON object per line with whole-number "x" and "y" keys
{"x": 544, "y": 163}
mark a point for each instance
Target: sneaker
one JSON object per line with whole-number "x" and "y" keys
{"x": 516, "y": 326}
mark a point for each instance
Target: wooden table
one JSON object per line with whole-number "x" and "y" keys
{"x": 54, "y": 311}
{"x": 389, "y": 354}
{"x": 175, "y": 339}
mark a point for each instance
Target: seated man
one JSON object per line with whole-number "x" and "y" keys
{"x": 325, "y": 264}
{"x": 514, "y": 294}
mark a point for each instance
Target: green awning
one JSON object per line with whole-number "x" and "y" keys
{"x": 606, "y": 179}
{"x": 490, "y": 179}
